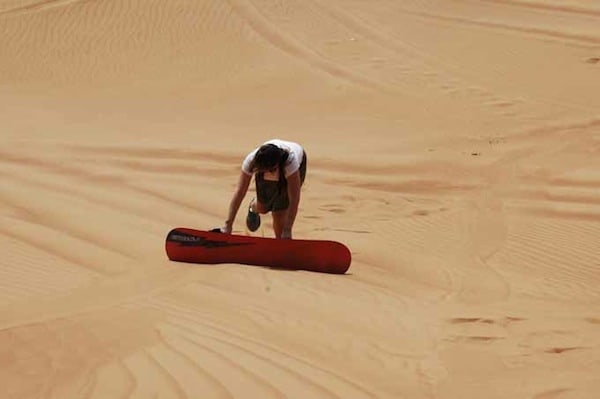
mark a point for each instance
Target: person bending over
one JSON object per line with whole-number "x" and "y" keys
{"x": 279, "y": 169}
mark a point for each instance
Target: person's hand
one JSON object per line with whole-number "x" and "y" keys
{"x": 227, "y": 228}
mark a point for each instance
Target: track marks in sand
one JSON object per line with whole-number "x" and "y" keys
{"x": 229, "y": 360}
{"x": 122, "y": 169}
{"x": 51, "y": 266}
{"x": 560, "y": 6}
{"x": 566, "y": 196}
{"x": 354, "y": 46}
{"x": 471, "y": 320}
{"x": 60, "y": 232}
{"x": 64, "y": 356}
{"x": 528, "y": 344}
{"x": 552, "y": 393}
{"x": 174, "y": 161}
{"x": 571, "y": 191}
{"x": 22, "y": 277}
{"x": 425, "y": 177}
{"x": 33, "y": 5}
{"x": 295, "y": 48}
{"x": 47, "y": 199}
{"x": 586, "y": 40}
{"x": 481, "y": 329}
{"x": 230, "y": 368}
{"x": 559, "y": 350}
{"x": 523, "y": 336}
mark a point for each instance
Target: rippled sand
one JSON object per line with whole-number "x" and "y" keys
{"x": 454, "y": 146}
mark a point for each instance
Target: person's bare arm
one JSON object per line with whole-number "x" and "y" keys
{"x": 238, "y": 196}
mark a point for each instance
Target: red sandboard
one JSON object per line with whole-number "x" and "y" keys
{"x": 196, "y": 246}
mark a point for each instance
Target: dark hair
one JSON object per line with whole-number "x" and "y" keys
{"x": 269, "y": 156}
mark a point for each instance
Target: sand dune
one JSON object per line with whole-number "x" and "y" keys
{"x": 454, "y": 146}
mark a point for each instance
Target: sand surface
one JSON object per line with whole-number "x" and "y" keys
{"x": 454, "y": 146}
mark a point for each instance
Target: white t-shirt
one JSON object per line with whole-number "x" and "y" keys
{"x": 292, "y": 164}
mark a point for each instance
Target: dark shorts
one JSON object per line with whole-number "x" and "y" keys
{"x": 273, "y": 195}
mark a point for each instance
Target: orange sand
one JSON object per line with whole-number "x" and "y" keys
{"x": 453, "y": 145}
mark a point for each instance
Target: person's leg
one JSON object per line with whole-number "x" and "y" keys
{"x": 258, "y": 207}
{"x": 281, "y": 203}
{"x": 278, "y": 220}
{"x": 303, "y": 168}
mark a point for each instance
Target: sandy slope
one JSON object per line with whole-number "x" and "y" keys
{"x": 454, "y": 146}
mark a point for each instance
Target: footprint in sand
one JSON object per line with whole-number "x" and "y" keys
{"x": 559, "y": 350}
{"x": 334, "y": 208}
{"x": 467, "y": 320}
{"x": 554, "y": 393}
